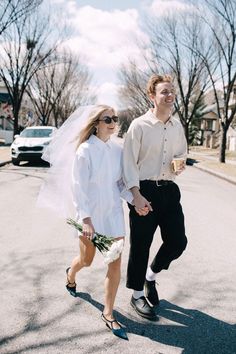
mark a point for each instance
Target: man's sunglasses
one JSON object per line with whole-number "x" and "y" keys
{"x": 108, "y": 119}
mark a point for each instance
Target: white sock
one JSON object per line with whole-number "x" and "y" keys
{"x": 150, "y": 275}
{"x": 137, "y": 294}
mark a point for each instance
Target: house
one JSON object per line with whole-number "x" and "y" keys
{"x": 26, "y": 116}
{"x": 210, "y": 127}
{"x": 231, "y": 139}
{"x": 6, "y": 122}
{"x": 210, "y": 123}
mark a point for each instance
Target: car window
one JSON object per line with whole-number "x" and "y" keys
{"x": 36, "y": 133}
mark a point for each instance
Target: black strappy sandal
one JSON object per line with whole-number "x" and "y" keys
{"x": 71, "y": 287}
{"x": 119, "y": 332}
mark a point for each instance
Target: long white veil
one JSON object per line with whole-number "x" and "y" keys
{"x": 56, "y": 190}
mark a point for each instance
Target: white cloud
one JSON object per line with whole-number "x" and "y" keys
{"x": 105, "y": 38}
{"x": 163, "y": 7}
{"x": 107, "y": 94}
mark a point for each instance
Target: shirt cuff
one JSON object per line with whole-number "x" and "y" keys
{"x": 127, "y": 196}
{"x": 84, "y": 214}
{"x": 132, "y": 184}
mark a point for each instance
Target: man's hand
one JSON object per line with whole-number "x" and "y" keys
{"x": 181, "y": 168}
{"x": 141, "y": 204}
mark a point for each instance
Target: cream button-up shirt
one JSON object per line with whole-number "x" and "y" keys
{"x": 150, "y": 146}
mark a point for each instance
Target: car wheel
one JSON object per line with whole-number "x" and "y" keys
{"x": 15, "y": 162}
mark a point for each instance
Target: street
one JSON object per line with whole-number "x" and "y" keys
{"x": 197, "y": 313}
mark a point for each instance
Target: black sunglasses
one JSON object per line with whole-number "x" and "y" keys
{"x": 108, "y": 119}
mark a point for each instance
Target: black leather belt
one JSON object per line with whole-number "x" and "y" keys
{"x": 162, "y": 182}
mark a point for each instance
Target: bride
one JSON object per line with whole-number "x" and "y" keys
{"x": 86, "y": 175}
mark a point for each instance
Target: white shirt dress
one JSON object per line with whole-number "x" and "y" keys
{"x": 98, "y": 186}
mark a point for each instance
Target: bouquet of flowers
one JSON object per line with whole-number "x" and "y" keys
{"x": 108, "y": 246}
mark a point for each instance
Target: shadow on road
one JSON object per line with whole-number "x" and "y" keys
{"x": 43, "y": 323}
{"x": 191, "y": 162}
{"x": 36, "y": 163}
{"x": 192, "y": 330}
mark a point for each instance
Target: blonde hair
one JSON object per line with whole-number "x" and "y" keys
{"x": 157, "y": 79}
{"x": 90, "y": 127}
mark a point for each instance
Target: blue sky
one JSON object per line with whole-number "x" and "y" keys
{"x": 111, "y": 5}
{"x": 106, "y": 33}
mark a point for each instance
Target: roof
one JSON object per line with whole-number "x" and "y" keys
{"x": 5, "y": 97}
{"x": 41, "y": 127}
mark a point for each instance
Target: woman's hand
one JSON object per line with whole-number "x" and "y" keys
{"x": 142, "y": 212}
{"x": 88, "y": 229}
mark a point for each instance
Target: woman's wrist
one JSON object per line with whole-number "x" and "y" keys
{"x": 87, "y": 220}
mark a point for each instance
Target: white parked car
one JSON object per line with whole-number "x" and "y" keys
{"x": 31, "y": 143}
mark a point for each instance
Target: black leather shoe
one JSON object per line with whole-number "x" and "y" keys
{"x": 151, "y": 292}
{"x": 142, "y": 308}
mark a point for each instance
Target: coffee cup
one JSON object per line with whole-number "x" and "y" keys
{"x": 177, "y": 164}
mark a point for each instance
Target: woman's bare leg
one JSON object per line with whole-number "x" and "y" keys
{"x": 85, "y": 258}
{"x": 112, "y": 281}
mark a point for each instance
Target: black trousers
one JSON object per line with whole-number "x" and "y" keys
{"x": 168, "y": 215}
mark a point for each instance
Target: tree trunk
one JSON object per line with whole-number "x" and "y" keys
{"x": 16, "y": 118}
{"x": 186, "y": 130}
{"x": 223, "y": 143}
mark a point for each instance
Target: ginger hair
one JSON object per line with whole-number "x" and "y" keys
{"x": 155, "y": 80}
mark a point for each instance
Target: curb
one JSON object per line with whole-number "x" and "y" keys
{"x": 4, "y": 163}
{"x": 204, "y": 169}
{"x": 216, "y": 174}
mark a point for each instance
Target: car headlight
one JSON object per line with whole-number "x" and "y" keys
{"x": 16, "y": 142}
{"x": 46, "y": 143}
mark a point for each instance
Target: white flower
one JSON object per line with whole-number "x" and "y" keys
{"x": 114, "y": 251}
{"x": 108, "y": 246}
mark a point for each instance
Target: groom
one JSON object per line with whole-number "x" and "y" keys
{"x": 152, "y": 142}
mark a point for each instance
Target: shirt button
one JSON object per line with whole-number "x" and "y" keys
{"x": 163, "y": 163}
{"x": 164, "y": 128}
{"x": 164, "y": 152}
{"x": 165, "y": 139}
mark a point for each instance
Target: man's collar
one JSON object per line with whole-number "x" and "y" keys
{"x": 154, "y": 119}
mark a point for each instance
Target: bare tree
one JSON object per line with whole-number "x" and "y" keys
{"x": 220, "y": 62}
{"x": 132, "y": 93}
{"x": 172, "y": 39}
{"x": 28, "y": 46}
{"x": 13, "y": 10}
{"x": 52, "y": 83}
{"x": 77, "y": 91}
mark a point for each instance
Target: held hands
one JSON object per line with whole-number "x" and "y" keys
{"x": 142, "y": 205}
{"x": 88, "y": 229}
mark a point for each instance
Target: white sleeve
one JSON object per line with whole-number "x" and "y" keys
{"x": 124, "y": 193}
{"x": 181, "y": 150}
{"x": 80, "y": 181}
{"x": 131, "y": 155}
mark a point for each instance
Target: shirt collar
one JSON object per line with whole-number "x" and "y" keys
{"x": 151, "y": 116}
{"x": 95, "y": 140}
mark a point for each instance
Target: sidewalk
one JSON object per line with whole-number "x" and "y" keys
{"x": 5, "y": 156}
{"x": 205, "y": 160}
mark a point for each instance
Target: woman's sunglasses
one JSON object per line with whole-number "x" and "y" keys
{"x": 108, "y": 119}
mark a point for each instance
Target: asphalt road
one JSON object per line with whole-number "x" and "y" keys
{"x": 197, "y": 311}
